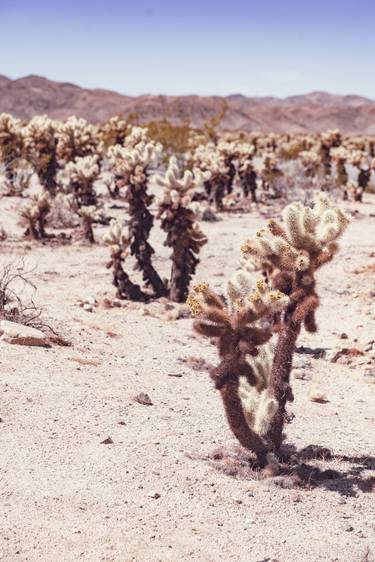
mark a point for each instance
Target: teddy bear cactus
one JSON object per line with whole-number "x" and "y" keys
{"x": 290, "y": 254}
{"x": 242, "y": 377}
{"x": 132, "y": 167}
{"x": 35, "y": 212}
{"x": 340, "y": 155}
{"x": 40, "y": 141}
{"x": 11, "y": 144}
{"x": 246, "y": 171}
{"x": 76, "y": 138}
{"x": 83, "y": 173}
{"x": 118, "y": 239}
{"x": 253, "y": 376}
{"x": 179, "y": 215}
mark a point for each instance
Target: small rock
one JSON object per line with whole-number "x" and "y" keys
{"x": 14, "y": 333}
{"x": 347, "y": 528}
{"x": 301, "y": 363}
{"x": 154, "y": 495}
{"x": 88, "y": 307}
{"x": 209, "y": 216}
{"x": 316, "y": 395}
{"x": 344, "y": 336}
{"x": 143, "y": 398}
{"x": 107, "y": 441}
{"x": 301, "y": 374}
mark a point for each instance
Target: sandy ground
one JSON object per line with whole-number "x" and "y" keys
{"x": 159, "y": 492}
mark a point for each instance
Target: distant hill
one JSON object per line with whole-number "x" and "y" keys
{"x": 316, "y": 111}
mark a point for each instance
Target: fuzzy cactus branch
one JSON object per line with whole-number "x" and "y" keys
{"x": 242, "y": 375}
{"x": 117, "y": 238}
{"x": 291, "y": 254}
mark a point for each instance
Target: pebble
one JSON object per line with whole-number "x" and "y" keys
{"x": 154, "y": 495}
{"x": 301, "y": 363}
{"x": 144, "y": 399}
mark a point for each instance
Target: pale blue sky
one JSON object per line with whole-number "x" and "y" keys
{"x": 255, "y": 47}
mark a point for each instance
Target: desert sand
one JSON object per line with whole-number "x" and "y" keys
{"x": 170, "y": 483}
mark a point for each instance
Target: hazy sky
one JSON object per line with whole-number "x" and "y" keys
{"x": 255, "y": 47}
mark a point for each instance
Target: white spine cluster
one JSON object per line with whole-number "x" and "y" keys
{"x": 74, "y": 136}
{"x": 258, "y": 405}
{"x": 83, "y": 170}
{"x": 134, "y": 164}
{"x": 305, "y": 231}
{"x": 180, "y": 186}
{"x": 117, "y": 238}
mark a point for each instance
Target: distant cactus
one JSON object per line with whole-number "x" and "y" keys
{"x": 246, "y": 171}
{"x": 178, "y": 215}
{"x": 40, "y": 141}
{"x": 132, "y": 167}
{"x": 11, "y": 144}
{"x": 83, "y": 172}
{"x": 117, "y": 238}
{"x": 76, "y": 138}
{"x": 35, "y": 212}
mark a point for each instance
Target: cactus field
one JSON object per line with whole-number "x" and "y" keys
{"x": 187, "y": 335}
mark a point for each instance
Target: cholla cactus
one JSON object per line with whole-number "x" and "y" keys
{"x": 21, "y": 178}
{"x": 246, "y": 171}
{"x": 35, "y": 212}
{"x": 40, "y": 146}
{"x": 132, "y": 167}
{"x": 340, "y": 155}
{"x": 179, "y": 221}
{"x": 83, "y": 173}
{"x": 209, "y": 160}
{"x": 11, "y": 144}
{"x": 243, "y": 373}
{"x": 76, "y": 138}
{"x": 114, "y": 131}
{"x": 118, "y": 239}
{"x": 329, "y": 140}
{"x": 270, "y": 172}
{"x": 360, "y": 160}
{"x": 291, "y": 254}
{"x": 311, "y": 162}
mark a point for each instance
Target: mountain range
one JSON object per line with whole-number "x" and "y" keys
{"x": 316, "y": 111}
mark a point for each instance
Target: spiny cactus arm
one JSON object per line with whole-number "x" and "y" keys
{"x": 117, "y": 238}
{"x": 226, "y": 379}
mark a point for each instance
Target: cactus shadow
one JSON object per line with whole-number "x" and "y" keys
{"x": 307, "y": 468}
{"x": 342, "y": 474}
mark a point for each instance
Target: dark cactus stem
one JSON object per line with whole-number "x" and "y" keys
{"x": 226, "y": 378}
{"x": 363, "y": 181}
{"x": 219, "y": 192}
{"x": 178, "y": 225}
{"x": 231, "y": 173}
{"x": 126, "y": 289}
{"x": 325, "y": 152}
{"x": 140, "y": 224}
{"x": 47, "y": 174}
{"x": 301, "y": 311}
{"x": 250, "y": 185}
{"x": 88, "y": 232}
{"x": 279, "y": 383}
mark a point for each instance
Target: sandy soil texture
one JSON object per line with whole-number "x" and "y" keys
{"x": 171, "y": 484}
